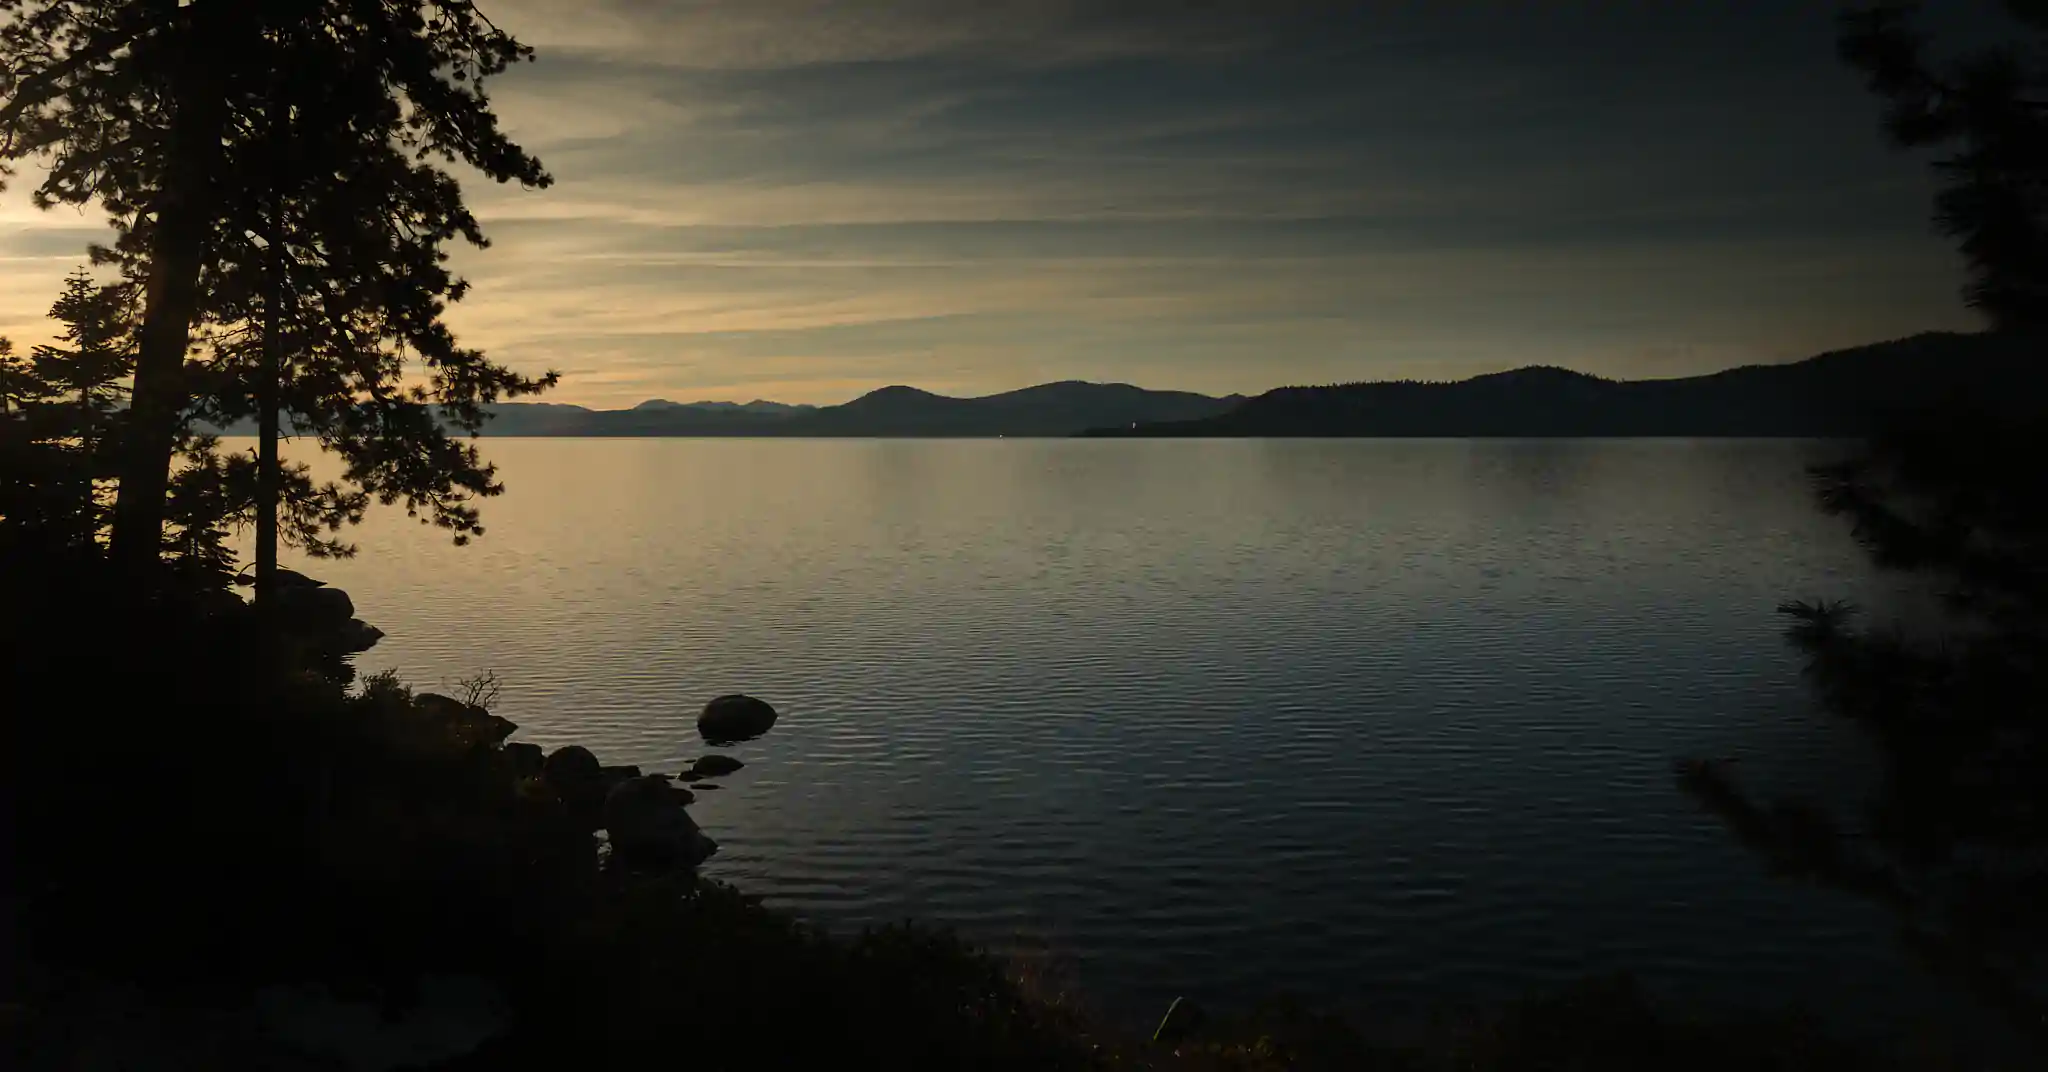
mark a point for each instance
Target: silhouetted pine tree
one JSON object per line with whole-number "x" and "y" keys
{"x": 1955, "y": 837}
{"x": 203, "y": 126}
{"x": 62, "y": 415}
{"x": 91, "y": 373}
{"x": 40, "y": 505}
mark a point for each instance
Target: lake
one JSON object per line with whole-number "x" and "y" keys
{"x": 1384, "y": 723}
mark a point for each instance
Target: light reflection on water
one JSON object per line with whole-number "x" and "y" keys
{"x": 1383, "y": 722}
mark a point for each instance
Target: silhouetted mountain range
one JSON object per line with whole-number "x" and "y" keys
{"x": 757, "y": 406}
{"x": 1835, "y": 394}
{"x": 1053, "y": 409}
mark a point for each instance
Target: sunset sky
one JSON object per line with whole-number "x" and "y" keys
{"x": 802, "y": 201}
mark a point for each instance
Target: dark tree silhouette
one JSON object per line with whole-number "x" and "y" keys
{"x": 1955, "y": 837}
{"x": 328, "y": 291}
{"x": 92, "y": 372}
{"x": 1990, "y": 111}
{"x": 14, "y": 378}
{"x": 185, "y": 121}
{"x": 60, "y": 413}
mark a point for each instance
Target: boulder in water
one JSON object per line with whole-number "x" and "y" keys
{"x": 715, "y": 766}
{"x": 735, "y": 718}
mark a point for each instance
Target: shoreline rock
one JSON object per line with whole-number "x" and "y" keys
{"x": 648, "y": 826}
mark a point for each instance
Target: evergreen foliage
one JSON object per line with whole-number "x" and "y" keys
{"x": 1954, "y": 838}
{"x": 233, "y": 141}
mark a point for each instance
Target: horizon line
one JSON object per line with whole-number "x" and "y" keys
{"x": 1241, "y": 394}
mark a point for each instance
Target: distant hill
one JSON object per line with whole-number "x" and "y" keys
{"x": 1053, "y": 409}
{"x": 757, "y": 406}
{"x": 654, "y": 417}
{"x": 1835, "y": 394}
{"x": 540, "y": 418}
{"x": 530, "y": 419}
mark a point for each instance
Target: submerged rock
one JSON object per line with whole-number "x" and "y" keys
{"x": 715, "y": 766}
{"x": 735, "y": 718}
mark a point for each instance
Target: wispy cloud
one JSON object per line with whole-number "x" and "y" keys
{"x": 801, "y": 199}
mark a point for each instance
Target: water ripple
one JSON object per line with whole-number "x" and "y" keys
{"x": 1379, "y": 722}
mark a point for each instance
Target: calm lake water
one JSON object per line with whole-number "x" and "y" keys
{"x": 1386, "y": 723}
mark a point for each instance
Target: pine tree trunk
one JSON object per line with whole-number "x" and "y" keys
{"x": 183, "y": 214}
{"x": 267, "y": 428}
{"x": 171, "y": 299}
